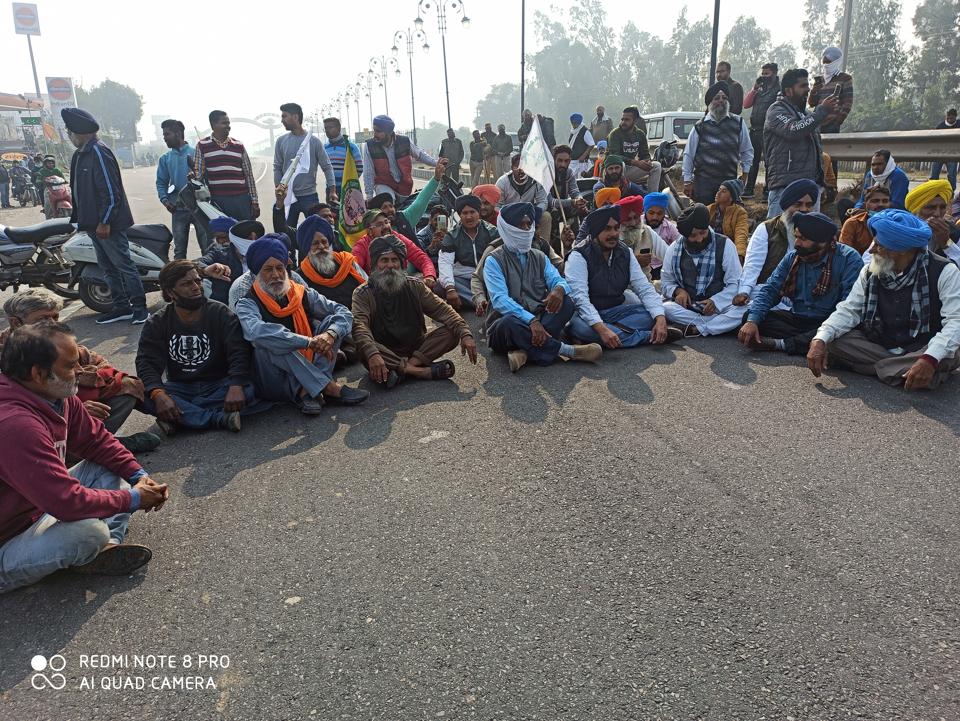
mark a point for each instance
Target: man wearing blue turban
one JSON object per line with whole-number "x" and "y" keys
{"x": 388, "y": 161}
{"x": 901, "y": 321}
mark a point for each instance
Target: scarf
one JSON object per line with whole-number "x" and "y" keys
{"x": 915, "y": 275}
{"x": 347, "y": 267}
{"x": 302, "y": 159}
{"x": 294, "y": 307}
{"x": 823, "y": 283}
{"x": 831, "y": 69}
{"x": 705, "y": 262}
{"x": 516, "y": 240}
{"x": 716, "y": 222}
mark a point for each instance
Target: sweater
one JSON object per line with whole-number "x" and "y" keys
{"x": 736, "y": 226}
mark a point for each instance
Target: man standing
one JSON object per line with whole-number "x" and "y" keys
{"x": 301, "y": 195}
{"x": 735, "y": 89}
{"x": 477, "y": 149}
{"x": 759, "y": 99}
{"x": 388, "y": 161}
{"x": 461, "y": 250}
{"x": 901, "y": 321}
{"x": 949, "y": 123}
{"x": 336, "y": 150}
{"x": 502, "y": 146}
{"x": 222, "y": 163}
{"x": 451, "y": 148}
{"x": 601, "y": 125}
{"x": 581, "y": 142}
{"x": 4, "y": 187}
{"x": 52, "y": 518}
{"x": 173, "y": 168}
{"x": 833, "y": 83}
{"x": 717, "y": 145}
{"x": 791, "y": 139}
{"x": 489, "y": 157}
{"x": 100, "y": 207}
{"x": 629, "y": 141}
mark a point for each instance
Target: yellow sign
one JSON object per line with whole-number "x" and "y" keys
{"x": 13, "y": 157}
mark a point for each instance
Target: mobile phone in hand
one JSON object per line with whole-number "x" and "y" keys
{"x": 442, "y": 223}
{"x": 837, "y": 90}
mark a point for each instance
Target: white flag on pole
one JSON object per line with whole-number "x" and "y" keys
{"x": 536, "y": 160}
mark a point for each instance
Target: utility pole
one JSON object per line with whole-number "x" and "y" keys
{"x": 713, "y": 44}
{"x": 845, "y": 33}
{"x": 523, "y": 52}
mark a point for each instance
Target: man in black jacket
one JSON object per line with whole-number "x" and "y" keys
{"x": 759, "y": 99}
{"x": 100, "y": 207}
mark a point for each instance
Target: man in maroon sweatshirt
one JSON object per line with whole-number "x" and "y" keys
{"x": 52, "y": 518}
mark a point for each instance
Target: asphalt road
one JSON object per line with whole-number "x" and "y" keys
{"x": 677, "y": 533}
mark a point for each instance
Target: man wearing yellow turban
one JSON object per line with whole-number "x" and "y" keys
{"x": 930, "y": 202}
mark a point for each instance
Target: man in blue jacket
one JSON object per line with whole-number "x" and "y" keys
{"x": 172, "y": 170}
{"x": 100, "y": 207}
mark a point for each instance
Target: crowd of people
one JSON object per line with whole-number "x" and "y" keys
{"x": 266, "y": 318}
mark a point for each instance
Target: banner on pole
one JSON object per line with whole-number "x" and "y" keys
{"x": 536, "y": 160}
{"x": 26, "y": 21}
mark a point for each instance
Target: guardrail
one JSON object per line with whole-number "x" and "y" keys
{"x": 904, "y": 145}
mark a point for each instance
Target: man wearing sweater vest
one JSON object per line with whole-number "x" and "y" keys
{"x": 388, "y": 161}
{"x": 222, "y": 163}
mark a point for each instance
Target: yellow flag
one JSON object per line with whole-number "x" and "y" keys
{"x": 352, "y": 206}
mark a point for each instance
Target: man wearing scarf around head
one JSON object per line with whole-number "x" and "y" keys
{"x": 803, "y": 290}
{"x": 885, "y": 172}
{"x": 388, "y": 161}
{"x": 389, "y": 327}
{"x": 461, "y": 250}
{"x": 825, "y": 86}
{"x": 699, "y": 278}
{"x": 930, "y": 202}
{"x": 295, "y": 332}
{"x": 599, "y": 272}
{"x": 901, "y": 321}
{"x": 613, "y": 177}
{"x": 529, "y": 300}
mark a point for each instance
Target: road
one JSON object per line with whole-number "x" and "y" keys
{"x": 689, "y": 532}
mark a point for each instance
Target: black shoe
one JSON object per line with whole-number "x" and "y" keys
{"x": 311, "y": 406}
{"x": 140, "y": 316}
{"x": 116, "y": 560}
{"x": 674, "y": 334}
{"x": 348, "y": 397}
{"x": 114, "y": 316}
{"x": 140, "y": 442}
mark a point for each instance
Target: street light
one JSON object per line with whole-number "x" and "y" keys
{"x": 440, "y": 6}
{"x": 353, "y": 93}
{"x": 398, "y": 38}
{"x": 366, "y": 79}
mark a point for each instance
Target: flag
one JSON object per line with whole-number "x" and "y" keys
{"x": 536, "y": 160}
{"x": 352, "y": 206}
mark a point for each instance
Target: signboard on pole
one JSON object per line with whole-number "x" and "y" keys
{"x": 26, "y": 21}
{"x": 61, "y": 93}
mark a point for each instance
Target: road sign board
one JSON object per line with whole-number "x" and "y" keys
{"x": 26, "y": 21}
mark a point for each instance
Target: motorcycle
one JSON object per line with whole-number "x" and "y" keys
{"x": 33, "y": 256}
{"x": 23, "y": 190}
{"x": 59, "y": 200}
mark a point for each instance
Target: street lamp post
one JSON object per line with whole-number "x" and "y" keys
{"x": 367, "y": 78}
{"x": 380, "y": 69}
{"x": 420, "y": 37}
{"x": 456, "y": 6}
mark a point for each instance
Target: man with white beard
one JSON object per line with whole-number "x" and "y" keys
{"x": 773, "y": 239}
{"x": 901, "y": 321}
{"x": 295, "y": 332}
{"x": 52, "y": 518}
{"x": 389, "y": 327}
{"x": 716, "y": 146}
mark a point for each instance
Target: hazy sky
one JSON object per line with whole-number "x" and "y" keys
{"x": 256, "y": 59}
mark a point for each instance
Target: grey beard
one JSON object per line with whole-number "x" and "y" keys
{"x": 719, "y": 114}
{"x": 882, "y": 267}
{"x": 278, "y": 290}
{"x": 787, "y": 218}
{"x": 61, "y": 388}
{"x": 323, "y": 264}
{"x": 390, "y": 282}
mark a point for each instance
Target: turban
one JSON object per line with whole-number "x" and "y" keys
{"x": 656, "y": 200}
{"x": 631, "y": 204}
{"x": 898, "y": 230}
{"x": 796, "y": 190}
{"x": 602, "y": 144}
{"x": 386, "y": 244}
{"x": 694, "y": 217}
{"x": 464, "y": 201}
{"x": 925, "y": 192}
{"x": 720, "y": 86}
{"x": 222, "y": 224}
{"x": 576, "y": 118}
{"x": 735, "y": 187}
{"x": 598, "y": 219}
{"x": 612, "y": 159}
{"x": 369, "y": 217}
{"x": 308, "y": 229}
{"x": 49, "y": 157}
{"x": 269, "y": 246}
{"x": 490, "y": 193}
{"x": 377, "y": 201}
{"x": 606, "y": 195}
{"x": 79, "y": 121}
{"x": 513, "y": 213}
{"x": 815, "y": 226}
{"x": 239, "y": 235}
{"x": 384, "y": 123}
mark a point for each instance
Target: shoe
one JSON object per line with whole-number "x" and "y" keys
{"x": 673, "y": 334}
{"x": 140, "y": 316}
{"x": 140, "y": 442}
{"x": 765, "y": 344}
{"x": 310, "y": 406}
{"x": 590, "y": 353}
{"x": 348, "y": 397}
{"x": 517, "y": 359}
{"x": 114, "y": 316}
{"x": 231, "y": 421}
{"x": 747, "y": 196}
{"x": 116, "y": 560}
{"x": 341, "y": 360}
{"x": 167, "y": 427}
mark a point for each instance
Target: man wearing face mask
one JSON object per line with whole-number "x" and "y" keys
{"x": 759, "y": 99}
{"x": 192, "y": 358}
{"x": 833, "y": 84}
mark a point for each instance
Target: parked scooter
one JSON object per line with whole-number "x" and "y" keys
{"x": 33, "y": 256}
{"x": 59, "y": 200}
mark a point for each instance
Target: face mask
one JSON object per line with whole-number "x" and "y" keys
{"x": 190, "y": 303}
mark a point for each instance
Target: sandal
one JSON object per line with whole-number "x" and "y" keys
{"x": 691, "y": 331}
{"x": 442, "y": 370}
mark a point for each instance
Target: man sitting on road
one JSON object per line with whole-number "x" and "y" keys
{"x": 629, "y": 141}
{"x": 930, "y": 201}
{"x": 295, "y": 333}
{"x": 198, "y": 344}
{"x": 529, "y": 300}
{"x": 461, "y": 250}
{"x": 901, "y": 321}
{"x": 389, "y": 326}
{"x": 599, "y": 272}
{"x": 489, "y": 195}
{"x": 655, "y": 215}
{"x": 50, "y": 518}
{"x": 855, "y": 232}
{"x": 613, "y": 177}
{"x": 564, "y": 201}
{"x": 377, "y": 224}
{"x": 430, "y": 236}
{"x": 518, "y": 187}
{"x": 641, "y": 239}
{"x": 803, "y": 290}
{"x": 222, "y": 262}
{"x": 700, "y": 276}
{"x": 773, "y": 239}
{"x": 404, "y": 222}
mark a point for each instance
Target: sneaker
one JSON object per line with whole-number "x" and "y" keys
{"x": 674, "y": 334}
{"x": 114, "y": 316}
{"x": 140, "y": 316}
{"x": 590, "y": 353}
{"x": 140, "y": 442}
{"x": 231, "y": 421}
{"x": 517, "y": 359}
{"x": 117, "y": 559}
{"x": 311, "y": 406}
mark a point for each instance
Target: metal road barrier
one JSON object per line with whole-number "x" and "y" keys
{"x": 904, "y": 145}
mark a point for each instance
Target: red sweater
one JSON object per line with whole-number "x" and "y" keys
{"x": 33, "y": 474}
{"x": 416, "y": 257}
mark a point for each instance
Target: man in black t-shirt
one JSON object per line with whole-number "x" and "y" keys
{"x": 199, "y": 345}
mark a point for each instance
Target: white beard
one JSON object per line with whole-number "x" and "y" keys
{"x": 882, "y": 267}
{"x": 787, "y": 218}
{"x": 278, "y": 289}
{"x": 719, "y": 114}
{"x": 390, "y": 282}
{"x": 324, "y": 264}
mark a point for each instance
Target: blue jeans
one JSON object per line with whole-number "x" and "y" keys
{"x": 773, "y": 202}
{"x": 301, "y": 204}
{"x": 201, "y": 402}
{"x": 634, "y": 318}
{"x": 123, "y": 279}
{"x": 4, "y": 194}
{"x": 180, "y": 222}
{"x": 234, "y": 206}
{"x": 509, "y": 333}
{"x": 936, "y": 167}
{"x": 49, "y": 545}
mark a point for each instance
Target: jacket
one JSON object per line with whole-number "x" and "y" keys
{"x": 897, "y": 182}
{"x": 855, "y": 232}
{"x": 821, "y": 91}
{"x": 736, "y": 226}
{"x": 791, "y": 144}
{"x": 760, "y": 101}
{"x": 98, "y": 195}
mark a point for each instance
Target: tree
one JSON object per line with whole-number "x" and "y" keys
{"x": 816, "y": 31}
{"x": 501, "y": 105}
{"x": 117, "y": 108}
{"x": 746, "y": 48}
{"x": 935, "y": 65}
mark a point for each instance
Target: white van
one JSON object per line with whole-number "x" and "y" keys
{"x": 670, "y": 126}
